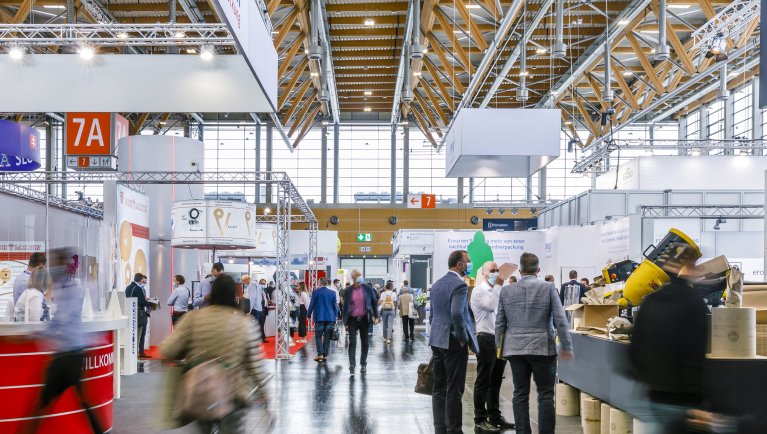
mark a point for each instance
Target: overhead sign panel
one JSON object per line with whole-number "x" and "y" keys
{"x": 254, "y": 41}
{"x": 90, "y": 139}
{"x": 19, "y": 147}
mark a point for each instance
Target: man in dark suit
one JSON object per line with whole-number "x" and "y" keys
{"x": 451, "y": 335}
{"x": 136, "y": 289}
{"x": 360, "y": 308}
{"x": 572, "y": 292}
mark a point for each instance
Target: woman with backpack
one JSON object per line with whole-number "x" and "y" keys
{"x": 388, "y": 305}
{"x": 229, "y": 339}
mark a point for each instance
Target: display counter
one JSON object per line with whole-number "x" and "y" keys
{"x": 601, "y": 369}
{"x": 23, "y": 361}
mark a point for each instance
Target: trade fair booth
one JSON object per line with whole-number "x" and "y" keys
{"x": 141, "y": 227}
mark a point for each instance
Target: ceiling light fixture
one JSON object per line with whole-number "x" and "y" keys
{"x": 206, "y": 53}
{"x": 86, "y": 52}
{"x": 425, "y": 50}
{"x": 417, "y": 73}
{"x": 541, "y": 50}
{"x": 191, "y": 51}
{"x": 16, "y": 53}
{"x": 267, "y": 210}
{"x": 679, "y": 6}
{"x": 368, "y": 93}
{"x": 472, "y": 6}
{"x": 314, "y": 74}
{"x": 623, "y": 22}
{"x": 179, "y": 35}
{"x": 524, "y": 73}
{"x": 370, "y": 22}
{"x": 627, "y": 73}
{"x": 54, "y": 7}
{"x": 122, "y": 35}
{"x": 367, "y": 109}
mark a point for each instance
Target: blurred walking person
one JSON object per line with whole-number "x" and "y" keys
{"x": 323, "y": 308}
{"x": 360, "y": 312}
{"x": 528, "y": 311}
{"x": 668, "y": 353}
{"x": 67, "y": 340}
{"x": 222, "y": 332}
{"x": 452, "y": 335}
{"x": 388, "y": 304}
{"x": 406, "y": 302}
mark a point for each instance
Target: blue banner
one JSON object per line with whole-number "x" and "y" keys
{"x": 19, "y": 147}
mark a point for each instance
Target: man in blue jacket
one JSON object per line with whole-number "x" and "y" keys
{"x": 451, "y": 335}
{"x": 360, "y": 310}
{"x": 325, "y": 309}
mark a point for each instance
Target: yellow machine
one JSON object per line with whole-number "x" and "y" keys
{"x": 675, "y": 251}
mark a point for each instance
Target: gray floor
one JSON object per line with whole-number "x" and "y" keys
{"x": 311, "y": 398}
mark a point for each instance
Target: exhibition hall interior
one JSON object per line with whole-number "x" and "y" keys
{"x": 382, "y": 216}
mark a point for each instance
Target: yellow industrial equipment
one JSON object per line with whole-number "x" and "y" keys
{"x": 665, "y": 260}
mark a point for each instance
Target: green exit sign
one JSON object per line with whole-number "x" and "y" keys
{"x": 364, "y": 238}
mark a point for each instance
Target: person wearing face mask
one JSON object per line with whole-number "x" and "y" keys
{"x": 136, "y": 289}
{"x": 487, "y": 387}
{"x": 451, "y": 335}
{"x": 360, "y": 309}
{"x": 180, "y": 298}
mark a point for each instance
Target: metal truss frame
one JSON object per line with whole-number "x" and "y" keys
{"x": 116, "y": 35}
{"x": 288, "y": 200}
{"x": 728, "y": 22}
{"x": 704, "y": 146}
{"x": 703, "y": 211}
{"x": 95, "y": 211}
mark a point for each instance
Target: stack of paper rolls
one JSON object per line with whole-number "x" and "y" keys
{"x": 567, "y": 400}
{"x": 733, "y": 332}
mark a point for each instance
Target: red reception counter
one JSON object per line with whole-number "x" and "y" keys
{"x": 22, "y": 371}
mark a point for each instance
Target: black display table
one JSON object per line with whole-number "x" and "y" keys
{"x": 600, "y": 368}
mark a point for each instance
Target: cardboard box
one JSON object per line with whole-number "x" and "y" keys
{"x": 715, "y": 267}
{"x": 587, "y": 316}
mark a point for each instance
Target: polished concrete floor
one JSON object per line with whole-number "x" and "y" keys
{"x": 308, "y": 397}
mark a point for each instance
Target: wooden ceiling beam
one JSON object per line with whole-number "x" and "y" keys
{"x": 139, "y": 125}
{"x": 460, "y": 53}
{"x": 627, "y": 93}
{"x": 446, "y": 95}
{"x": 429, "y": 115}
{"x": 296, "y": 100}
{"x": 285, "y": 63}
{"x": 474, "y": 31}
{"x": 423, "y": 125}
{"x": 434, "y": 101}
{"x": 22, "y": 12}
{"x": 650, "y": 72}
{"x": 446, "y": 65}
{"x": 302, "y": 113}
{"x": 285, "y": 28}
{"x": 282, "y": 99}
{"x": 308, "y": 123}
{"x": 272, "y": 7}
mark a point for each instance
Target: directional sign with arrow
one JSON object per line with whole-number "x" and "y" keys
{"x": 421, "y": 201}
{"x": 364, "y": 238}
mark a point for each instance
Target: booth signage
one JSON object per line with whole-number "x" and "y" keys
{"x": 365, "y": 249}
{"x": 91, "y": 138}
{"x": 19, "y": 147}
{"x": 364, "y": 238}
{"x": 507, "y": 224}
{"x": 421, "y": 201}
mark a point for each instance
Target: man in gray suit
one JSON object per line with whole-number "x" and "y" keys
{"x": 451, "y": 335}
{"x": 527, "y": 312}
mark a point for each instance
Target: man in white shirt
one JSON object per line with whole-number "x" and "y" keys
{"x": 487, "y": 387}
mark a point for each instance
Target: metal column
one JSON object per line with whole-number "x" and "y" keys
{"x": 51, "y": 133}
{"x": 471, "y": 190}
{"x": 542, "y": 184}
{"x": 324, "y": 165}
{"x": 405, "y": 164}
{"x": 756, "y": 115}
{"x": 393, "y": 159}
{"x": 269, "y": 160}
{"x": 336, "y": 151}
{"x": 460, "y": 190}
{"x": 258, "y": 161}
{"x": 528, "y": 189}
{"x": 282, "y": 210}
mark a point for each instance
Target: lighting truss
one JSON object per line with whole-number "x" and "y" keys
{"x": 540, "y": 204}
{"x": 704, "y": 211}
{"x": 94, "y": 210}
{"x": 116, "y": 35}
{"x": 705, "y": 146}
{"x": 730, "y": 21}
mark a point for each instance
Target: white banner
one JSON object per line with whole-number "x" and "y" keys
{"x": 222, "y": 224}
{"x": 189, "y": 223}
{"x": 613, "y": 241}
{"x": 501, "y": 246}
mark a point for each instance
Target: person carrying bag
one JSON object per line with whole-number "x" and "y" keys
{"x": 223, "y": 372}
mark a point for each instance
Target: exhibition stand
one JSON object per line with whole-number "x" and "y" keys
{"x": 23, "y": 358}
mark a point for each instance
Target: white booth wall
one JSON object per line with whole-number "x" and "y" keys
{"x": 25, "y": 221}
{"x": 163, "y": 154}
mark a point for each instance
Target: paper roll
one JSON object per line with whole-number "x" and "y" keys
{"x": 567, "y": 400}
{"x": 620, "y": 422}
{"x": 733, "y": 332}
{"x": 640, "y": 427}
{"x": 605, "y": 418}
{"x": 591, "y": 414}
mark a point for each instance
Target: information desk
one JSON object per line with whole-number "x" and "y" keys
{"x": 601, "y": 369}
{"x": 22, "y": 372}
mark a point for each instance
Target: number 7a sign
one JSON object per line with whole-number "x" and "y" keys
{"x": 94, "y": 133}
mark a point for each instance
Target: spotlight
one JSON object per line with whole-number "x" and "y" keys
{"x": 501, "y": 210}
{"x": 718, "y": 222}
{"x": 206, "y": 53}
{"x": 717, "y": 48}
{"x": 86, "y": 52}
{"x": 533, "y": 210}
{"x": 370, "y": 22}
{"x": 540, "y": 51}
{"x": 524, "y": 73}
{"x": 489, "y": 210}
{"x": 179, "y": 35}
{"x": 122, "y": 35}
{"x": 367, "y": 109}
{"x": 514, "y": 211}
{"x": 368, "y": 93}
{"x": 267, "y": 210}
{"x": 16, "y": 53}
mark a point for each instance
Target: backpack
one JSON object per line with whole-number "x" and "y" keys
{"x": 388, "y": 302}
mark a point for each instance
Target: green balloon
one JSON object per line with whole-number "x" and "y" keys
{"x": 479, "y": 253}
